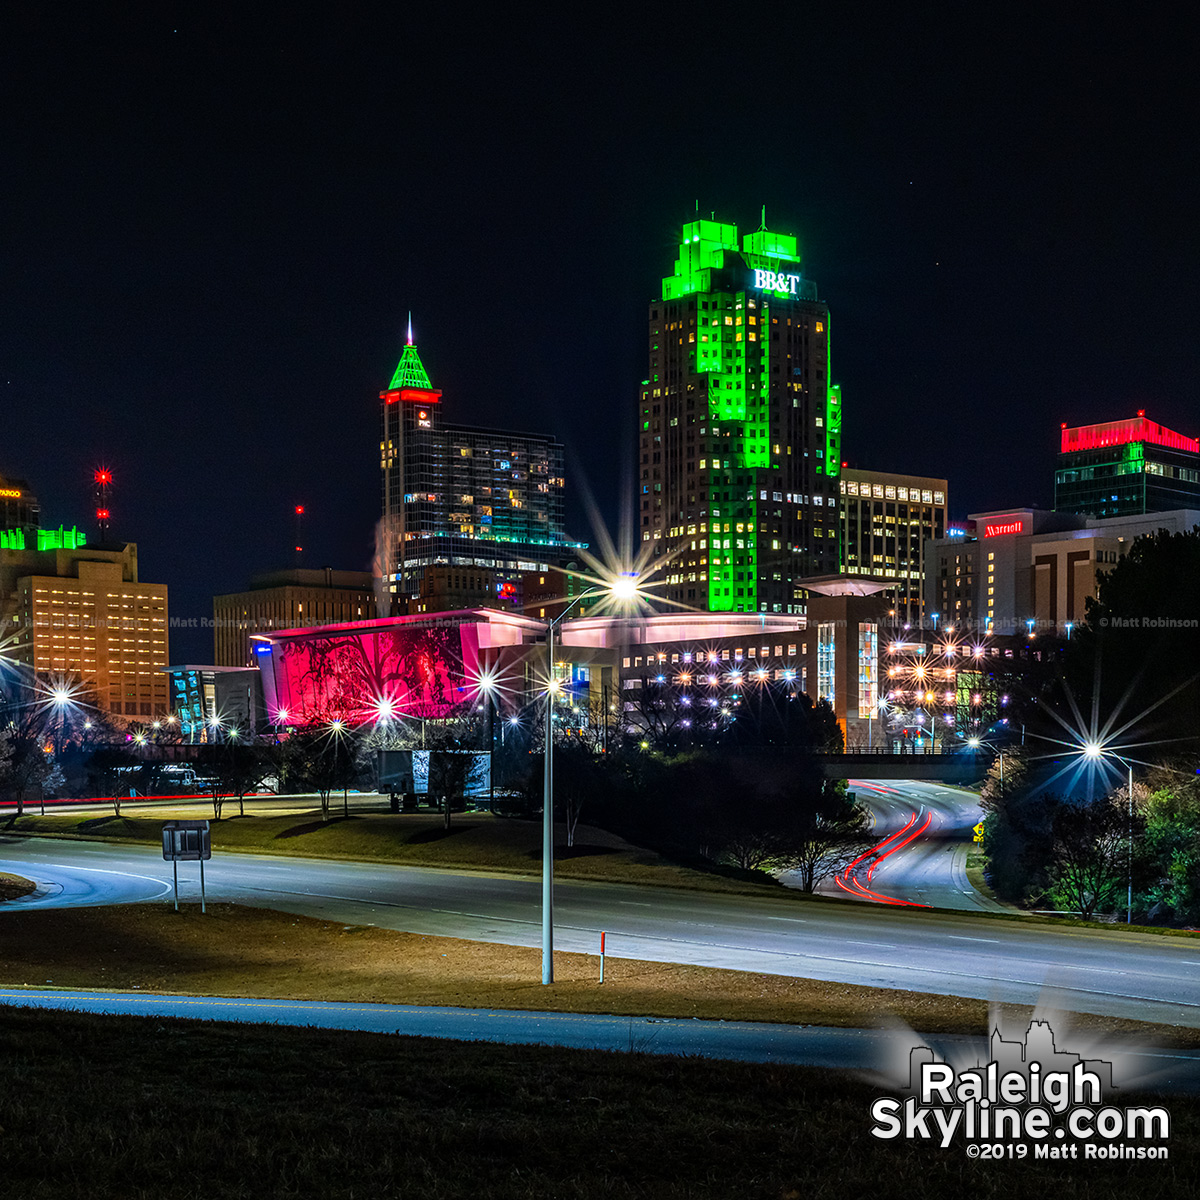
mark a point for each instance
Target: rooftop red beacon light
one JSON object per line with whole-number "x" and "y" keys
{"x": 101, "y": 482}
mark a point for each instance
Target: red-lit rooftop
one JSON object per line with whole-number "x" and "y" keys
{"x": 1121, "y": 433}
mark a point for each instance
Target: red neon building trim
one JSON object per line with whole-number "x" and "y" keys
{"x": 412, "y": 395}
{"x": 1121, "y": 433}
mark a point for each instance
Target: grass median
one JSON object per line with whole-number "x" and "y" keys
{"x": 474, "y": 842}
{"x": 12, "y": 887}
{"x": 251, "y": 952}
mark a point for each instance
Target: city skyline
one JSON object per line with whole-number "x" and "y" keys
{"x": 210, "y": 276}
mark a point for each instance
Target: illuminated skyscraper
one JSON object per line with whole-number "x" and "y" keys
{"x": 460, "y": 494}
{"x": 739, "y": 427}
{"x": 1122, "y": 468}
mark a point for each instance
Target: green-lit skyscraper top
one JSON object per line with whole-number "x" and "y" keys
{"x": 739, "y": 430}
{"x": 709, "y": 246}
{"x": 410, "y": 371}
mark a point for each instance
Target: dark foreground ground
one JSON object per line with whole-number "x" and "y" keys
{"x": 131, "y": 1108}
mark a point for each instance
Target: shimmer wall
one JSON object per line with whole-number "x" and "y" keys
{"x": 348, "y": 674}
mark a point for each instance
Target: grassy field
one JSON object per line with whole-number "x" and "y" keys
{"x": 235, "y": 951}
{"x": 135, "y": 1108}
{"x": 474, "y": 842}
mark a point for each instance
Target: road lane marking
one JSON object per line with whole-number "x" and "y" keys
{"x": 958, "y": 937}
{"x": 101, "y": 871}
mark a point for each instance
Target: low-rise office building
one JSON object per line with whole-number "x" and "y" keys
{"x": 1025, "y": 569}
{"x": 287, "y": 599}
{"x": 80, "y": 613}
{"x": 887, "y": 522}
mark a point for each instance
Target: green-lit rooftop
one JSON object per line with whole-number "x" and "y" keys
{"x": 705, "y": 244}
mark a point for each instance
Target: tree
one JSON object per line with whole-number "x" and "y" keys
{"x": 653, "y": 712}
{"x": 1141, "y": 641}
{"x": 1009, "y": 773}
{"x": 27, "y": 728}
{"x": 1168, "y": 853}
{"x": 785, "y": 817}
{"x": 25, "y": 762}
{"x": 779, "y": 715}
{"x": 452, "y": 764}
{"x": 234, "y": 767}
{"x": 1089, "y": 850}
{"x": 108, "y": 769}
{"x": 831, "y": 838}
{"x": 580, "y": 780}
{"x": 321, "y": 760}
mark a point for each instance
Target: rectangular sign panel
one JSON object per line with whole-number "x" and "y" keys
{"x": 186, "y": 841}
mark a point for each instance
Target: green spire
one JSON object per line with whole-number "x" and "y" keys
{"x": 410, "y": 372}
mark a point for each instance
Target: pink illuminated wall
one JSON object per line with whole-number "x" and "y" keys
{"x": 347, "y": 673}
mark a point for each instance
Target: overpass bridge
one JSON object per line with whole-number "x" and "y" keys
{"x": 881, "y": 764}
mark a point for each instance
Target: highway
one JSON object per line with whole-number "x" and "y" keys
{"x": 922, "y": 833}
{"x": 1112, "y": 972}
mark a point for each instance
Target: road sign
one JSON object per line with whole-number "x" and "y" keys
{"x": 979, "y": 833}
{"x": 186, "y": 841}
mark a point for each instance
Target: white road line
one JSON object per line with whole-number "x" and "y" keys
{"x": 958, "y": 937}
{"x": 102, "y": 871}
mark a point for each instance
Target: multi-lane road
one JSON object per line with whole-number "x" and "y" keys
{"x": 921, "y": 832}
{"x": 1127, "y": 974}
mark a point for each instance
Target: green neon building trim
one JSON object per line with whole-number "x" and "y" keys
{"x": 410, "y": 372}
{"x": 771, "y": 248}
{"x": 61, "y": 539}
{"x": 47, "y": 539}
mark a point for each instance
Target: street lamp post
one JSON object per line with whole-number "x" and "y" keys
{"x": 1094, "y": 750}
{"x": 624, "y": 587}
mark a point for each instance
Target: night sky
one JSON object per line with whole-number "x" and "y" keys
{"x": 214, "y": 227}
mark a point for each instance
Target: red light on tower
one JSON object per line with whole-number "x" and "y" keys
{"x": 299, "y": 510}
{"x": 101, "y": 482}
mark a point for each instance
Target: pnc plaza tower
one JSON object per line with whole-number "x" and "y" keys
{"x": 739, "y": 427}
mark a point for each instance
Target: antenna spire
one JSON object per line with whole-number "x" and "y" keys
{"x": 763, "y": 226}
{"x": 410, "y": 327}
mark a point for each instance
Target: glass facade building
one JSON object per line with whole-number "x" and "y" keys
{"x": 460, "y": 494}
{"x": 1124, "y": 468}
{"x": 739, "y": 427}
